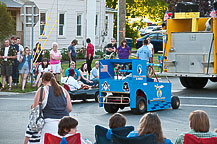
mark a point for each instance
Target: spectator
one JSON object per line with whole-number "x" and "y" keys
{"x": 150, "y": 46}
{"x": 90, "y": 53}
{"x": 123, "y": 50}
{"x": 144, "y": 53}
{"x": 70, "y": 80}
{"x": 94, "y": 73}
{"x": 15, "y": 73}
{"x": 111, "y": 47}
{"x": 25, "y": 66}
{"x": 77, "y": 73}
{"x": 35, "y": 54}
{"x": 43, "y": 67}
{"x": 20, "y": 48}
{"x": 199, "y": 125}
{"x": 56, "y": 103}
{"x": 84, "y": 74}
{"x": 72, "y": 51}
{"x": 55, "y": 57}
{"x": 7, "y": 56}
{"x": 150, "y": 124}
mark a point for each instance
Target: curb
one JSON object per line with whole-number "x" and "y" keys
{"x": 14, "y": 93}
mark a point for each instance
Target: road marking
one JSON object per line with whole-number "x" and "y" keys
{"x": 204, "y": 98}
{"x": 190, "y": 105}
{"x": 19, "y": 99}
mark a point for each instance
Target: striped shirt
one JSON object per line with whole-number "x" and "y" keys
{"x": 180, "y": 139}
{"x": 34, "y": 137}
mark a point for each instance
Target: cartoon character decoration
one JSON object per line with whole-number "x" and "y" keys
{"x": 139, "y": 69}
{"x": 126, "y": 86}
{"x": 158, "y": 88}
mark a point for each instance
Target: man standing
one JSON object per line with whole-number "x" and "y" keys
{"x": 150, "y": 47}
{"x": 90, "y": 52}
{"x": 7, "y": 56}
{"x": 72, "y": 51}
{"x": 20, "y": 48}
{"x": 15, "y": 73}
{"x": 111, "y": 47}
{"x": 144, "y": 53}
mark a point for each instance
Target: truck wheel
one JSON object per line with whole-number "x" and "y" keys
{"x": 184, "y": 82}
{"x": 197, "y": 83}
{"x": 97, "y": 96}
{"x": 175, "y": 102}
{"x": 141, "y": 105}
{"x": 111, "y": 108}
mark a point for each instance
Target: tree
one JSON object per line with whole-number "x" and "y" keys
{"x": 6, "y": 23}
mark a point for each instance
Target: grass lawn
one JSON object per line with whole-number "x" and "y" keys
{"x": 64, "y": 67}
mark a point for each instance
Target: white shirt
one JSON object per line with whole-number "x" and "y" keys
{"x": 6, "y": 53}
{"x": 45, "y": 69}
{"x": 20, "y": 49}
{"x": 150, "y": 47}
{"x": 71, "y": 82}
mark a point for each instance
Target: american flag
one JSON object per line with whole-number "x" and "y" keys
{"x": 104, "y": 68}
{"x": 166, "y": 16}
{"x": 213, "y": 13}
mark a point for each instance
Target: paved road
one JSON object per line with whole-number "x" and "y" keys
{"x": 14, "y": 113}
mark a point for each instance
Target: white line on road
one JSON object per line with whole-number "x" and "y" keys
{"x": 19, "y": 99}
{"x": 190, "y": 105}
{"x": 204, "y": 98}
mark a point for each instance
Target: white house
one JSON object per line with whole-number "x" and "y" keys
{"x": 77, "y": 19}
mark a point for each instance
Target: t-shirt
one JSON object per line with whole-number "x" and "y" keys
{"x": 42, "y": 70}
{"x": 90, "y": 49}
{"x": 72, "y": 51}
{"x": 6, "y": 52}
{"x": 150, "y": 47}
{"x": 20, "y": 50}
{"x": 123, "y": 53}
{"x": 77, "y": 73}
{"x": 55, "y": 54}
{"x": 143, "y": 53}
{"x": 94, "y": 73}
{"x": 110, "y": 46}
{"x": 16, "y": 47}
{"x": 40, "y": 56}
{"x": 71, "y": 82}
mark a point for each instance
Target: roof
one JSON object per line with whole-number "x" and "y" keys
{"x": 110, "y": 10}
{"x": 11, "y": 3}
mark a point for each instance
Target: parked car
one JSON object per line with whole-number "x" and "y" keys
{"x": 156, "y": 40}
{"x": 149, "y": 29}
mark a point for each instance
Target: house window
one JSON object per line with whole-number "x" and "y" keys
{"x": 79, "y": 24}
{"x": 106, "y": 24}
{"x": 42, "y": 22}
{"x": 96, "y": 25}
{"x": 61, "y": 24}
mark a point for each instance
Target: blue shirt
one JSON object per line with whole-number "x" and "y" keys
{"x": 77, "y": 73}
{"x": 143, "y": 53}
{"x": 71, "y": 49}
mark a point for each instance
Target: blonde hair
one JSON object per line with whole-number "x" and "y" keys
{"x": 24, "y": 52}
{"x": 199, "y": 121}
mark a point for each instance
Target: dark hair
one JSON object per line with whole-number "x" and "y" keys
{"x": 82, "y": 67}
{"x": 42, "y": 64}
{"x": 75, "y": 41}
{"x": 18, "y": 38}
{"x": 117, "y": 120}
{"x": 66, "y": 124}
{"x": 36, "y": 45}
{"x": 122, "y": 42}
{"x": 71, "y": 72}
{"x": 145, "y": 42}
{"x": 49, "y": 77}
{"x": 88, "y": 40}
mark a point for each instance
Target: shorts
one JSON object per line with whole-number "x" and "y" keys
{"x": 56, "y": 68}
{"x": 24, "y": 71}
{"x": 6, "y": 69}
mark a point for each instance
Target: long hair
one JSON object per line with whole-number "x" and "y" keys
{"x": 199, "y": 121}
{"x": 82, "y": 67}
{"x": 150, "y": 124}
{"x": 37, "y": 45}
{"x": 66, "y": 124}
{"x": 49, "y": 77}
{"x": 42, "y": 64}
{"x": 122, "y": 42}
{"x": 25, "y": 50}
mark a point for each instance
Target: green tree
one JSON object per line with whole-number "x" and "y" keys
{"x": 6, "y": 23}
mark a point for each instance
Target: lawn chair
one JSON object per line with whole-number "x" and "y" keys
{"x": 191, "y": 139}
{"x": 144, "y": 139}
{"x": 51, "y": 139}
{"x": 100, "y": 133}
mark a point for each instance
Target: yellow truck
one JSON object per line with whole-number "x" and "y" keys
{"x": 190, "y": 50}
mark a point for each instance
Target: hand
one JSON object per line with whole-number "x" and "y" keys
{"x": 21, "y": 57}
{"x": 4, "y": 57}
{"x": 62, "y": 71}
{"x": 30, "y": 71}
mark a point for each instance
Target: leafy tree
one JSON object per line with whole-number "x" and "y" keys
{"x": 6, "y": 23}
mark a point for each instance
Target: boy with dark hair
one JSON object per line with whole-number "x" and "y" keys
{"x": 117, "y": 120}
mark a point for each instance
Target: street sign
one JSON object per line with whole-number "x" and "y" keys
{"x": 29, "y": 13}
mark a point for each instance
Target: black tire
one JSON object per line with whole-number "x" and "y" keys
{"x": 97, "y": 96}
{"x": 111, "y": 108}
{"x": 197, "y": 83}
{"x": 141, "y": 105}
{"x": 175, "y": 102}
{"x": 184, "y": 82}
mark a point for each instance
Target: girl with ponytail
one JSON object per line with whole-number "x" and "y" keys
{"x": 56, "y": 103}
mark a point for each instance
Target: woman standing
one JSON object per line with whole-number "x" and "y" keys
{"x": 123, "y": 50}
{"x": 56, "y": 103}
{"x": 55, "y": 57}
{"x": 25, "y": 66}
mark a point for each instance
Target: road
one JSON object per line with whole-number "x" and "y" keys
{"x": 14, "y": 110}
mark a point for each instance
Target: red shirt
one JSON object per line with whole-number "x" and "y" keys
{"x": 90, "y": 49}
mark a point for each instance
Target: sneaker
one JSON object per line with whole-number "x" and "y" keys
{"x": 9, "y": 89}
{"x": 1, "y": 89}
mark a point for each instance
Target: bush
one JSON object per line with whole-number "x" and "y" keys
{"x": 100, "y": 53}
{"x": 82, "y": 54}
{"x": 65, "y": 56}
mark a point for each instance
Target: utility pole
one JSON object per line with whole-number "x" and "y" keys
{"x": 122, "y": 19}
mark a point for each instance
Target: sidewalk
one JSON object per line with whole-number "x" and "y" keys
{"x": 14, "y": 93}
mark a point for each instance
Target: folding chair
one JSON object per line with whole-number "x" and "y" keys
{"x": 51, "y": 139}
{"x": 191, "y": 139}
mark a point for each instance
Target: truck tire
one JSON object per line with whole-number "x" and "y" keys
{"x": 197, "y": 83}
{"x": 111, "y": 108}
{"x": 184, "y": 82}
{"x": 97, "y": 96}
{"x": 175, "y": 102}
{"x": 141, "y": 105}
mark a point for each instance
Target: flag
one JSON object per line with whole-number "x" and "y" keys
{"x": 166, "y": 16}
{"x": 213, "y": 13}
{"x": 104, "y": 68}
